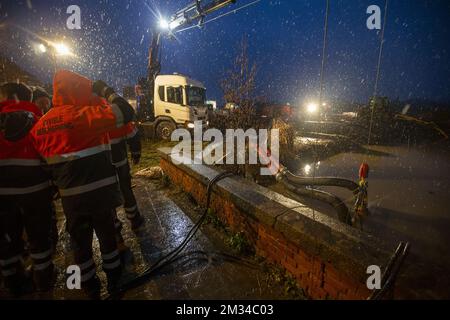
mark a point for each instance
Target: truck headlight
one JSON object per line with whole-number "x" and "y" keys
{"x": 190, "y": 125}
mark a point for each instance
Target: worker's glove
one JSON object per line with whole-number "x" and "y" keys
{"x": 136, "y": 157}
{"x": 101, "y": 89}
{"x": 16, "y": 125}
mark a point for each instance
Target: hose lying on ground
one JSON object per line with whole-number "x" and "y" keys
{"x": 391, "y": 271}
{"x": 172, "y": 255}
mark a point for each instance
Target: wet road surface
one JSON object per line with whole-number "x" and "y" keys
{"x": 199, "y": 274}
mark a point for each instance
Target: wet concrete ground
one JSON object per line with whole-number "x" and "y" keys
{"x": 409, "y": 194}
{"x": 202, "y": 273}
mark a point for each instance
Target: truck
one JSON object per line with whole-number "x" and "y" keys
{"x": 178, "y": 101}
{"x": 167, "y": 102}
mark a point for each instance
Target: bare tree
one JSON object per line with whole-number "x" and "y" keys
{"x": 238, "y": 88}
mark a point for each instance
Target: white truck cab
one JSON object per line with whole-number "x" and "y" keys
{"x": 178, "y": 102}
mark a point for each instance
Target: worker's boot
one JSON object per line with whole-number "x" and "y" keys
{"x": 19, "y": 283}
{"x": 113, "y": 277}
{"x": 92, "y": 288}
{"x": 137, "y": 221}
{"x": 126, "y": 256}
{"x": 44, "y": 280}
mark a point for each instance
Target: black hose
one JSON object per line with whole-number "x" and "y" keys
{"x": 392, "y": 275}
{"x": 334, "y": 201}
{"x": 321, "y": 181}
{"x": 172, "y": 255}
{"x": 387, "y": 271}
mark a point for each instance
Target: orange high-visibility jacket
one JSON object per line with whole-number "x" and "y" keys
{"x": 73, "y": 140}
{"x": 21, "y": 171}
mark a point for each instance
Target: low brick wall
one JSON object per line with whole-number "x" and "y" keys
{"x": 327, "y": 258}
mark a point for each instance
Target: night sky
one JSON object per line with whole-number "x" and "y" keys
{"x": 284, "y": 38}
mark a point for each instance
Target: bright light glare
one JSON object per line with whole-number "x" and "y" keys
{"x": 42, "y": 48}
{"x": 163, "y": 24}
{"x": 61, "y": 49}
{"x": 312, "y": 107}
{"x": 173, "y": 25}
{"x": 307, "y": 169}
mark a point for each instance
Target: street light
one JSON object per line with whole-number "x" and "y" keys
{"x": 61, "y": 49}
{"x": 55, "y": 50}
{"x": 164, "y": 24}
{"x": 307, "y": 169}
{"x": 312, "y": 107}
{"x": 168, "y": 26}
{"x": 42, "y": 48}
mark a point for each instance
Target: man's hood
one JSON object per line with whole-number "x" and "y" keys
{"x": 13, "y": 105}
{"x": 70, "y": 88}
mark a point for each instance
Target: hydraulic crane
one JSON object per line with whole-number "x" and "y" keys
{"x": 194, "y": 13}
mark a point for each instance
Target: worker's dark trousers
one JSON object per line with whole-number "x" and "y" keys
{"x": 81, "y": 227}
{"x": 129, "y": 201}
{"x": 118, "y": 227}
{"x": 54, "y": 235}
{"x": 11, "y": 246}
{"x": 34, "y": 212}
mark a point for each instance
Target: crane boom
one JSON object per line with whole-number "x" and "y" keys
{"x": 196, "y": 11}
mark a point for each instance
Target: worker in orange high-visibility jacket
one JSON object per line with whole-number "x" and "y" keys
{"x": 72, "y": 138}
{"x": 25, "y": 194}
{"x": 119, "y": 138}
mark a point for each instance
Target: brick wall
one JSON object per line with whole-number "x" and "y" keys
{"x": 318, "y": 274}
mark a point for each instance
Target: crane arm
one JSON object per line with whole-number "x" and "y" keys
{"x": 154, "y": 53}
{"x": 196, "y": 11}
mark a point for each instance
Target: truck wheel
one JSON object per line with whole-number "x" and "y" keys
{"x": 164, "y": 130}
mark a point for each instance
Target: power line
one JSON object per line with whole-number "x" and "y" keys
{"x": 325, "y": 33}
{"x": 375, "y": 90}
